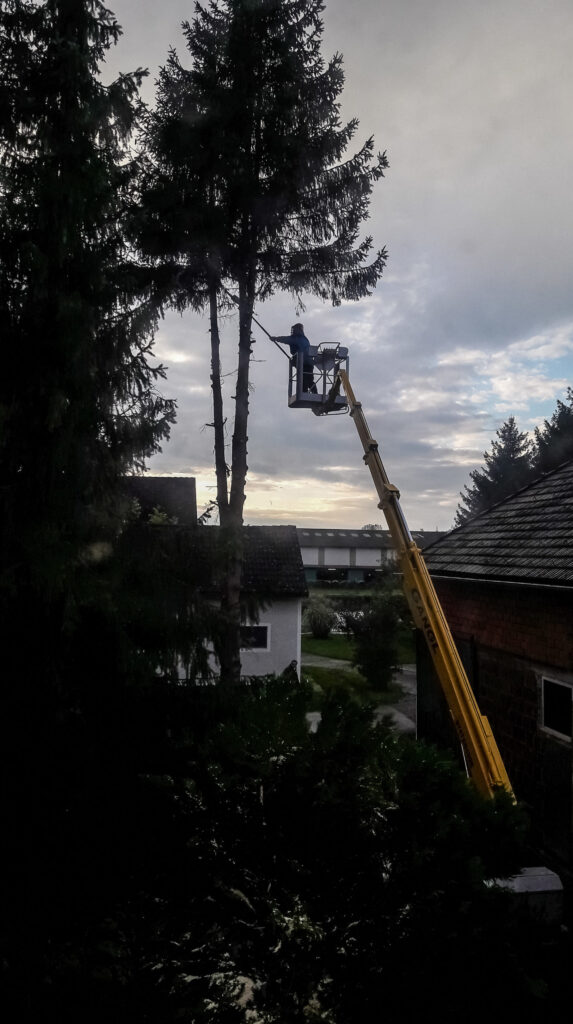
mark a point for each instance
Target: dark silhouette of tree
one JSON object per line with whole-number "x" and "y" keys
{"x": 507, "y": 468}
{"x": 79, "y": 407}
{"x": 554, "y": 440}
{"x": 376, "y": 632}
{"x": 258, "y": 870}
{"x": 249, "y": 187}
{"x": 78, "y": 392}
{"x": 160, "y": 868}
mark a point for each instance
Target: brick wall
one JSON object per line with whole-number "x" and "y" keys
{"x": 507, "y": 694}
{"x": 506, "y": 636}
{"x": 532, "y": 624}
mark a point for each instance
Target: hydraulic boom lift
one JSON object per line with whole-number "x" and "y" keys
{"x": 483, "y": 761}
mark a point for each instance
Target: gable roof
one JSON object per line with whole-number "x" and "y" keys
{"x": 527, "y": 538}
{"x": 272, "y": 563}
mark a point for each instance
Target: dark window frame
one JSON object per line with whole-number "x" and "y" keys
{"x": 254, "y": 628}
{"x": 550, "y": 700}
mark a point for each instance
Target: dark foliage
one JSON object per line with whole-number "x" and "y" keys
{"x": 217, "y": 857}
{"x": 515, "y": 460}
{"x": 319, "y": 617}
{"x": 171, "y": 847}
{"x": 377, "y": 631}
{"x": 554, "y": 440}
{"x": 248, "y": 186}
{"x": 78, "y": 408}
{"x": 248, "y": 175}
{"x": 507, "y": 468}
{"x": 78, "y": 399}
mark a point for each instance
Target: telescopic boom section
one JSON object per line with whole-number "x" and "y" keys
{"x": 483, "y": 760}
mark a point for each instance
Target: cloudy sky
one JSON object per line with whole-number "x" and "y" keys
{"x": 473, "y": 319}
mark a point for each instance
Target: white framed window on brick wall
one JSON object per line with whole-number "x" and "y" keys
{"x": 557, "y": 707}
{"x": 256, "y": 638}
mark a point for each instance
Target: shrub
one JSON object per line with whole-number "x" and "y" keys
{"x": 376, "y": 636}
{"x": 320, "y": 617}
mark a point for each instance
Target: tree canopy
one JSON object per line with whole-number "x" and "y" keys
{"x": 79, "y": 408}
{"x": 554, "y": 440}
{"x": 78, "y": 396}
{"x": 507, "y": 468}
{"x": 249, "y": 179}
{"x": 516, "y": 459}
{"x": 248, "y": 185}
{"x": 176, "y": 852}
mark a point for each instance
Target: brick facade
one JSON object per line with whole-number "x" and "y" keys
{"x": 528, "y": 622}
{"x": 508, "y": 637}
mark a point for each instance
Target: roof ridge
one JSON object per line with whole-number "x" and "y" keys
{"x": 509, "y": 497}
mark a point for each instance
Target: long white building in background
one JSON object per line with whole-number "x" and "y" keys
{"x": 351, "y": 556}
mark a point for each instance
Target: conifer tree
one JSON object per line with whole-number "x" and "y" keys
{"x": 78, "y": 409}
{"x": 507, "y": 468}
{"x": 554, "y": 440}
{"x": 78, "y": 399}
{"x": 249, "y": 186}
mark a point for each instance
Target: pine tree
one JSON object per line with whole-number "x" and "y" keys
{"x": 78, "y": 409}
{"x": 507, "y": 468}
{"x": 554, "y": 441}
{"x": 249, "y": 187}
{"x": 78, "y": 399}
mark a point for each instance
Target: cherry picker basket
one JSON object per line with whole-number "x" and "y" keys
{"x": 306, "y": 391}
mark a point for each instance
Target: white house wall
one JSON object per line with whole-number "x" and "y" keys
{"x": 284, "y": 621}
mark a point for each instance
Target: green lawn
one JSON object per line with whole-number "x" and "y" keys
{"x": 335, "y": 646}
{"x": 327, "y": 680}
{"x": 344, "y": 677}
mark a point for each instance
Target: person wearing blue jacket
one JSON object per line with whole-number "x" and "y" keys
{"x": 298, "y": 342}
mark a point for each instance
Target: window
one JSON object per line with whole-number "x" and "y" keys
{"x": 556, "y": 707}
{"x": 338, "y": 575}
{"x": 255, "y": 638}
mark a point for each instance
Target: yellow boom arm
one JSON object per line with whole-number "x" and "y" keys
{"x": 483, "y": 760}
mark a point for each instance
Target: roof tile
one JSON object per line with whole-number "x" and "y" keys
{"x": 526, "y": 537}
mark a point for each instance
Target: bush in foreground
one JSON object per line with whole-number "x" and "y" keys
{"x": 222, "y": 863}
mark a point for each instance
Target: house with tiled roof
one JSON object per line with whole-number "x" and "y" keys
{"x": 273, "y": 574}
{"x": 272, "y": 588}
{"x": 350, "y": 555}
{"x": 505, "y": 582}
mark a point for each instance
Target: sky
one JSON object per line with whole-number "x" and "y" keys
{"x": 472, "y": 321}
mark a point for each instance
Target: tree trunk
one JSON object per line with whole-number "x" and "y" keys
{"x": 239, "y": 450}
{"x": 228, "y": 647}
{"x": 232, "y": 522}
{"x": 221, "y": 468}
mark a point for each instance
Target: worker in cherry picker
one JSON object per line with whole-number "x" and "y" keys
{"x": 298, "y": 342}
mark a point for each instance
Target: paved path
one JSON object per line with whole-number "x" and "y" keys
{"x": 403, "y": 712}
